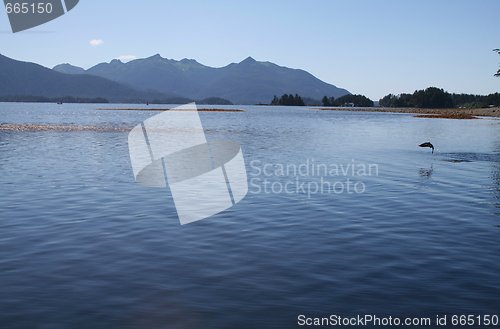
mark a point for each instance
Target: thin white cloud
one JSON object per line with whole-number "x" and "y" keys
{"x": 126, "y": 58}
{"x": 96, "y": 42}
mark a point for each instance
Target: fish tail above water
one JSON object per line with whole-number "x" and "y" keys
{"x": 428, "y": 144}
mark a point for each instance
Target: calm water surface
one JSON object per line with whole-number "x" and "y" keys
{"x": 83, "y": 246}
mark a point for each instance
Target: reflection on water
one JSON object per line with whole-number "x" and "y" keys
{"x": 82, "y": 245}
{"x": 426, "y": 172}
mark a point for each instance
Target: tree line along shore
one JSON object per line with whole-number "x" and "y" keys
{"x": 430, "y": 98}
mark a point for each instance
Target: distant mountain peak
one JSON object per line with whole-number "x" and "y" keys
{"x": 155, "y": 56}
{"x": 248, "y": 60}
{"x": 116, "y": 61}
{"x": 68, "y": 69}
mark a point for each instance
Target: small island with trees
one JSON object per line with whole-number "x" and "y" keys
{"x": 288, "y": 100}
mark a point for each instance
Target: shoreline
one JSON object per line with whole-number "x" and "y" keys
{"x": 33, "y": 127}
{"x": 423, "y": 112}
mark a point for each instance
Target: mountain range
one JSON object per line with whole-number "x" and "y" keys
{"x": 28, "y": 79}
{"x": 155, "y": 77}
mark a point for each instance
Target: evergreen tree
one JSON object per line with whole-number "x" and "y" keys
{"x": 275, "y": 100}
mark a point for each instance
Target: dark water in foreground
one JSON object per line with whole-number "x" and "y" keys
{"x": 83, "y": 246}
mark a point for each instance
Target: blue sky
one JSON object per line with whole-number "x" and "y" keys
{"x": 369, "y": 47}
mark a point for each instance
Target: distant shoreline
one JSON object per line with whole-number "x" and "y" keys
{"x": 451, "y": 113}
{"x": 164, "y": 109}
